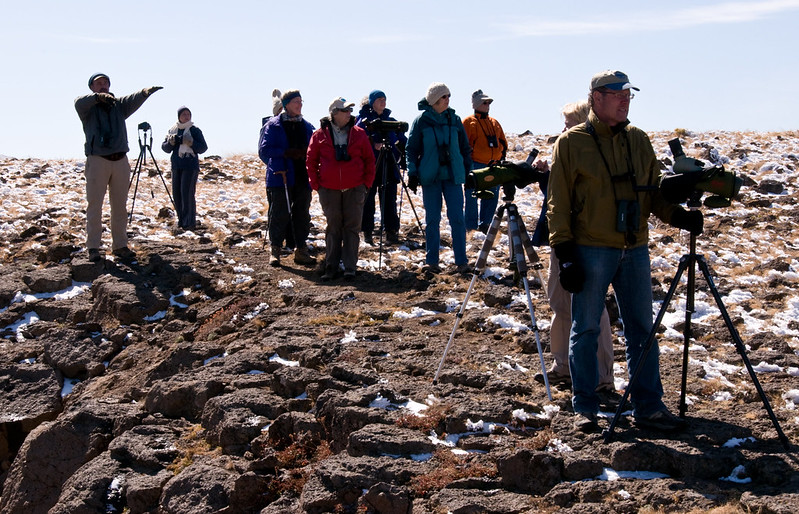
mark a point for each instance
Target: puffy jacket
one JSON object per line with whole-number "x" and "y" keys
{"x": 581, "y": 198}
{"x": 325, "y": 171}
{"x": 396, "y": 140}
{"x": 188, "y": 162}
{"x": 478, "y": 127}
{"x": 272, "y": 150}
{"x": 104, "y": 125}
{"x": 431, "y": 131}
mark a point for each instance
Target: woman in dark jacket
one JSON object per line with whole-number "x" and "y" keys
{"x": 374, "y": 108}
{"x": 185, "y": 141}
{"x": 341, "y": 168}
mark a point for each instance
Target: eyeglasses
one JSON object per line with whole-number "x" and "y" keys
{"x": 486, "y": 103}
{"x": 620, "y": 95}
{"x": 348, "y": 109}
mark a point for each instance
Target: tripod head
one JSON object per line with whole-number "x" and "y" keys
{"x": 145, "y": 136}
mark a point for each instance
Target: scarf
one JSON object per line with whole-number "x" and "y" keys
{"x": 184, "y": 150}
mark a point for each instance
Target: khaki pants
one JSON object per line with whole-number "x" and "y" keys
{"x": 560, "y": 303}
{"x": 102, "y": 174}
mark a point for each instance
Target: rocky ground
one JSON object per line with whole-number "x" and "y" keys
{"x": 200, "y": 379}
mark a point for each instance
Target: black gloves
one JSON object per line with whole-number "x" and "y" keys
{"x": 413, "y": 183}
{"x": 106, "y": 98}
{"x": 692, "y": 221}
{"x": 152, "y": 89}
{"x": 572, "y": 275}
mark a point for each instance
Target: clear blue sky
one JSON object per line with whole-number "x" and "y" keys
{"x": 701, "y": 65}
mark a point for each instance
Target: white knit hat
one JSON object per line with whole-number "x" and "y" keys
{"x": 277, "y": 105}
{"x": 435, "y": 91}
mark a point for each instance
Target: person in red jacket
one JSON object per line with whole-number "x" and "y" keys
{"x": 341, "y": 169}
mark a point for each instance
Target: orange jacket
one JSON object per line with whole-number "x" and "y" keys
{"x": 480, "y": 128}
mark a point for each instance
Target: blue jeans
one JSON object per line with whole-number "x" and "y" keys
{"x": 452, "y": 194}
{"x": 487, "y": 207}
{"x": 630, "y": 274}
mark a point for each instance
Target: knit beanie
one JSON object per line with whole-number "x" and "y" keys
{"x": 374, "y": 95}
{"x": 277, "y": 104}
{"x": 97, "y": 76}
{"x": 183, "y": 108}
{"x": 435, "y": 91}
{"x": 289, "y": 95}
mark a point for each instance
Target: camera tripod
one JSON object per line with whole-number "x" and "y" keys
{"x": 387, "y": 152}
{"x": 520, "y": 243}
{"x": 689, "y": 262}
{"x": 146, "y": 146}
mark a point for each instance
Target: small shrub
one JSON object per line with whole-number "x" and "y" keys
{"x": 432, "y": 418}
{"x": 450, "y": 468}
{"x": 191, "y": 445}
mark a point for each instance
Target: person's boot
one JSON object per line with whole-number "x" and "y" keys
{"x": 367, "y": 238}
{"x": 303, "y": 256}
{"x": 274, "y": 259}
{"x": 392, "y": 237}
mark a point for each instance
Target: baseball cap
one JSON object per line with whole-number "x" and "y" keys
{"x": 612, "y": 79}
{"x": 340, "y": 104}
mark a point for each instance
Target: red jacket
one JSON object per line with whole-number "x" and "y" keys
{"x": 325, "y": 171}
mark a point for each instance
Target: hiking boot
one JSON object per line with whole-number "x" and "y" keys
{"x": 608, "y": 397}
{"x": 125, "y": 254}
{"x": 392, "y": 237}
{"x": 367, "y": 238}
{"x": 586, "y": 422}
{"x": 554, "y": 378}
{"x": 274, "y": 259}
{"x": 94, "y": 255}
{"x": 349, "y": 275}
{"x": 661, "y": 420}
{"x": 483, "y": 228}
{"x": 431, "y": 268}
{"x": 463, "y": 269}
{"x": 329, "y": 274}
{"x": 303, "y": 256}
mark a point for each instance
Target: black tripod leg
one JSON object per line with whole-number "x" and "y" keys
{"x": 410, "y": 201}
{"x": 516, "y": 227}
{"x": 532, "y": 255}
{"x": 135, "y": 176}
{"x": 478, "y": 268}
{"x": 650, "y": 340}
{"x": 163, "y": 181}
{"x": 382, "y": 194}
{"x": 742, "y": 351}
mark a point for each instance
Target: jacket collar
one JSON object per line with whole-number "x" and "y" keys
{"x": 603, "y": 129}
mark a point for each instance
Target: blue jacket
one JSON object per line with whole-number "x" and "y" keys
{"x": 189, "y": 162}
{"x": 398, "y": 141}
{"x": 438, "y": 147}
{"x": 272, "y": 148}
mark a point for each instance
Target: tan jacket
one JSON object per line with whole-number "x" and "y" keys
{"x": 581, "y": 196}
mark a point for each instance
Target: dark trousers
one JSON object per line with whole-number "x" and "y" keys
{"x": 343, "y": 210}
{"x": 292, "y": 227}
{"x": 184, "y": 186}
{"x": 388, "y": 206}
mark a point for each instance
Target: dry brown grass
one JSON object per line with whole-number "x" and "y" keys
{"x": 432, "y": 419}
{"x": 345, "y": 319}
{"x": 192, "y": 445}
{"x": 730, "y": 508}
{"x": 237, "y": 309}
{"x": 450, "y": 468}
{"x": 295, "y": 462}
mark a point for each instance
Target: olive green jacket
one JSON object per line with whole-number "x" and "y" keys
{"x": 582, "y": 197}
